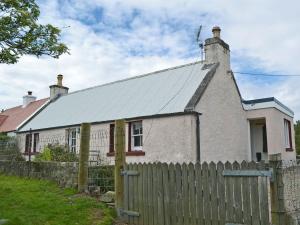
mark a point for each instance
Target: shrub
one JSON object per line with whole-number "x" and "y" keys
{"x": 44, "y": 156}
{"x": 9, "y": 148}
{"x": 58, "y": 153}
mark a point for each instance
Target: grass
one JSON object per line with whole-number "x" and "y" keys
{"x": 38, "y": 202}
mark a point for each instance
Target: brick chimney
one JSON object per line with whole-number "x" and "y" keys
{"x": 58, "y": 89}
{"x": 216, "y": 50}
{"x": 28, "y": 99}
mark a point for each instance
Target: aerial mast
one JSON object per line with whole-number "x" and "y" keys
{"x": 200, "y": 41}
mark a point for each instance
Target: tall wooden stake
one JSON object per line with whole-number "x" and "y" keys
{"x": 119, "y": 163}
{"x": 84, "y": 157}
{"x": 277, "y": 194}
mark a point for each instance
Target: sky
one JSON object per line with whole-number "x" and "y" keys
{"x": 111, "y": 40}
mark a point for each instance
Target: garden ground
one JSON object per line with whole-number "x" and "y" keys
{"x": 38, "y": 202}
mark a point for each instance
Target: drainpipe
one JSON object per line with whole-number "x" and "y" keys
{"x": 197, "y": 115}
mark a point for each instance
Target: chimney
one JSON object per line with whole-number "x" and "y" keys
{"x": 28, "y": 99}
{"x": 58, "y": 89}
{"x": 216, "y": 50}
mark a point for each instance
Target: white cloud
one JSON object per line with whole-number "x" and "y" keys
{"x": 159, "y": 34}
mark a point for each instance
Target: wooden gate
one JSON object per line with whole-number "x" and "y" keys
{"x": 214, "y": 194}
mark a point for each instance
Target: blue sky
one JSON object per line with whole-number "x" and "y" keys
{"x": 111, "y": 40}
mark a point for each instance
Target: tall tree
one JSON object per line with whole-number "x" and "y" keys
{"x": 297, "y": 136}
{"x": 20, "y": 34}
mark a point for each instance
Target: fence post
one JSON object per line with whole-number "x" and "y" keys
{"x": 119, "y": 164}
{"x": 84, "y": 156}
{"x": 277, "y": 194}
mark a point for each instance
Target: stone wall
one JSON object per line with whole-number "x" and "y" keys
{"x": 63, "y": 173}
{"x": 291, "y": 190}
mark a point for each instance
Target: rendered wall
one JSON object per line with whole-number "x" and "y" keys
{"x": 223, "y": 123}
{"x": 275, "y": 130}
{"x": 166, "y": 139}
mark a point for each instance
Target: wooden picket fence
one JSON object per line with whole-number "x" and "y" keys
{"x": 190, "y": 194}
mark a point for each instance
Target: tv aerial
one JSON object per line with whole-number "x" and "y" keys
{"x": 200, "y": 41}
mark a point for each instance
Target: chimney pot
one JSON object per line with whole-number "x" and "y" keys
{"x": 29, "y": 92}
{"x": 59, "y": 80}
{"x": 216, "y": 32}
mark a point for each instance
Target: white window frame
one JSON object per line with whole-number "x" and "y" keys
{"x": 139, "y": 134}
{"x": 72, "y": 139}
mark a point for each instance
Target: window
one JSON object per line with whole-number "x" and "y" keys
{"x": 111, "y": 137}
{"x": 72, "y": 139}
{"x": 29, "y": 146}
{"x": 28, "y": 143}
{"x": 35, "y": 142}
{"x": 287, "y": 135}
{"x": 134, "y": 141}
{"x": 135, "y": 136}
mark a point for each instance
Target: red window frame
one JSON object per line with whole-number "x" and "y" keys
{"x": 129, "y": 150}
{"x": 290, "y": 148}
{"x": 111, "y": 138}
{"x": 129, "y": 136}
{"x": 28, "y": 143}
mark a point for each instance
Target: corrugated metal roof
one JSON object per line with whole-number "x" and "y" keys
{"x": 162, "y": 92}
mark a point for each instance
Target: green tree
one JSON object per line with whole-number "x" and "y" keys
{"x": 297, "y": 136}
{"x": 20, "y": 34}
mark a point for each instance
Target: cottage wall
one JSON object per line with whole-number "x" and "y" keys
{"x": 166, "y": 139}
{"x": 223, "y": 124}
{"x": 169, "y": 139}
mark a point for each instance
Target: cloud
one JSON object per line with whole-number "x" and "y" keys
{"x": 110, "y": 40}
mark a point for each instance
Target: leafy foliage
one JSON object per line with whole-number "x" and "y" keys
{"x": 57, "y": 153}
{"x": 20, "y": 34}
{"x": 9, "y": 148}
{"x": 297, "y": 136}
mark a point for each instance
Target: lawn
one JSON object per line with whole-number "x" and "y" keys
{"x": 38, "y": 202}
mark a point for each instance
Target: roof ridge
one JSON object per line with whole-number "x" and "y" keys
{"x": 134, "y": 77}
{"x": 18, "y": 106}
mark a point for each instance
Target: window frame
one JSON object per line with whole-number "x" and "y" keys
{"x": 36, "y": 140}
{"x": 130, "y": 151}
{"x": 131, "y": 136}
{"x": 72, "y": 146}
{"x": 28, "y": 143}
{"x": 288, "y": 135}
{"x": 111, "y": 138}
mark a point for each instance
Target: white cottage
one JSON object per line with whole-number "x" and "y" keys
{"x": 187, "y": 113}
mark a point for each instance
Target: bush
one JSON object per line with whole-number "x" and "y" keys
{"x": 9, "y": 148}
{"x": 57, "y": 153}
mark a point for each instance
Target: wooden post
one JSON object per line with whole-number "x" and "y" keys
{"x": 277, "y": 196}
{"x": 119, "y": 163}
{"x": 84, "y": 157}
